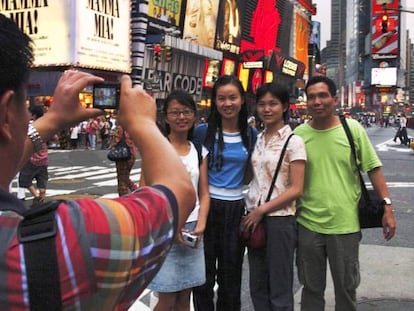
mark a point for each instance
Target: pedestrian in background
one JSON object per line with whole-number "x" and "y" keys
{"x": 124, "y": 167}
{"x": 184, "y": 266}
{"x": 74, "y": 136}
{"x": 328, "y": 226}
{"x": 271, "y": 267}
{"x": 403, "y": 130}
{"x": 92, "y": 129}
{"x": 229, "y": 141}
{"x": 36, "y": 167}
{"x": 104, "y": 130}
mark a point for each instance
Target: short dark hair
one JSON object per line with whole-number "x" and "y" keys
{"x": 277, "y": 90}
{"x": 16, "y": 56}
{"x": 185, "y": 99}
{"x": 322, "y": 79}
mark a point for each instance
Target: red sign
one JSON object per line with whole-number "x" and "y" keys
{"x": 380, "y": 7}
{"x": 385, "y": 43}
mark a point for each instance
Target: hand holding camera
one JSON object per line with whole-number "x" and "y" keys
{"x": 189, "y": 239}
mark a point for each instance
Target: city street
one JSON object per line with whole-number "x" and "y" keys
{"x": 386, "y": 279}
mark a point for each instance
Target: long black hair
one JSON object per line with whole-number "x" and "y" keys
{"x": 184, "y": 99}
{"x": 215, "y": 123}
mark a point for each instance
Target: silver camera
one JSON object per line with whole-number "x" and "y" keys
{"x": 189, "y": 239}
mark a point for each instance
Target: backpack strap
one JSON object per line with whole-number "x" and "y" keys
{"x": 199, "y": 148}
{"x": 37, "y": 232}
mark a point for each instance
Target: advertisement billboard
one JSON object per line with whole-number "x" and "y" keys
{"x": 385, "y": 43}
{"x": 380, "y": 6}
{"x": 302, "y": 39}
{"x": 384, "y": 76}
{"x": 75, "y": 33}
{"x": 47, "y": 23}
{"x": 200, "y": 22}
{"x": 103, "y": 36}
{"x": 165, "y": 10}
{"x": 229, "y": 23}
{"x": 267, "y": 26}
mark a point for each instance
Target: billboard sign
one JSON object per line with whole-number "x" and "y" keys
{"x": 200, "y": 22}
{"x": 291, "y": 67}
{"x": 384, "y": 43}
{"x": 380, "y": 6}
{"x": 165, "y": 10}
{"x": 267, "y": 26}
{"x": 93, "y": 36}
{"x": 384, "y": 76}
{"x": 229, "y": 23}
{"x": 302, "y": 39}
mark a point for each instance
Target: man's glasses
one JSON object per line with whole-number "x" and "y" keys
{"x": 176, "y": 113}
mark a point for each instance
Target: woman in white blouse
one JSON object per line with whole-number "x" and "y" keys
{"x": 271, "y": 268}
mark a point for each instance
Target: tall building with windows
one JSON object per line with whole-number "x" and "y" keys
{"x": 334, "y": 54}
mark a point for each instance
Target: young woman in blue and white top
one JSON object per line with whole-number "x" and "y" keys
{"x": 229, "y": 140}
{"x": 184, "y": 266}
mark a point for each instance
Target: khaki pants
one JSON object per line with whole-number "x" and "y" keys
{"x": 342, "y": 252}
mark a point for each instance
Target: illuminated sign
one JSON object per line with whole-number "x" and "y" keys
{"x": 93, "y": 36}
{"x": 286, "y": 65}
{"x": 257, "y": 64}
{"x": 229, "y": 27}
{"x": 165, "y": 10}
{"x": 384, "y": 76}
{"x": 200, "y": 22}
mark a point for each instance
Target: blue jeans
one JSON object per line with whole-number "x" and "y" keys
{"x": 224, "y": 253}
{"x": 342, "y": 252}
{"x": 92, "y": 141}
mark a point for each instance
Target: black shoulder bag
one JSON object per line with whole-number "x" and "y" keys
{"x": 370, "y": 208}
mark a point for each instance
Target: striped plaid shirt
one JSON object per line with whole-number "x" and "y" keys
{"x": 108, "y": 249}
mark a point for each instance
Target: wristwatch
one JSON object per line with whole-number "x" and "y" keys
{"x": 386, "y": 201}
{"x": 34, "y": 136}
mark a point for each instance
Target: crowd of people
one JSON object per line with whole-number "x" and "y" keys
{"x": 179, "y": 232}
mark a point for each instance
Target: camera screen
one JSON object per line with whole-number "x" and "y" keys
{"x": 106, "y": 96}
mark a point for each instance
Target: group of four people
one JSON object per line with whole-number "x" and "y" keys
{"x": 109, "y": 250}
{"x": 312, "y": 206}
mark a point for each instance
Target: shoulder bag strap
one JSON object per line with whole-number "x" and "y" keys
{"x": 37, "y": 233}
{"x": 279, "y": 164}
{"x": 352, "y": 144}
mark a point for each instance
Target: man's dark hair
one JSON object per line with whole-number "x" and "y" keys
{"x": 16, "y": 56}
{"x": 276, "y": 90}
{"x": 322, "y": 79}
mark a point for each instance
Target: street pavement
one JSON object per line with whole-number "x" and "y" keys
{"x": 387, "y": 268}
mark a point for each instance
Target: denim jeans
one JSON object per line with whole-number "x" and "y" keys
{"x": 224, "y": 253}
{"x": 342, "y": 252}
{"x": 92, "y": 141}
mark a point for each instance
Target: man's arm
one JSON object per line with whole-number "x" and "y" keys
{"x": 66, "y": 110}
{"x": 388, "y": 221}
{"x": 160, "y": 162}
